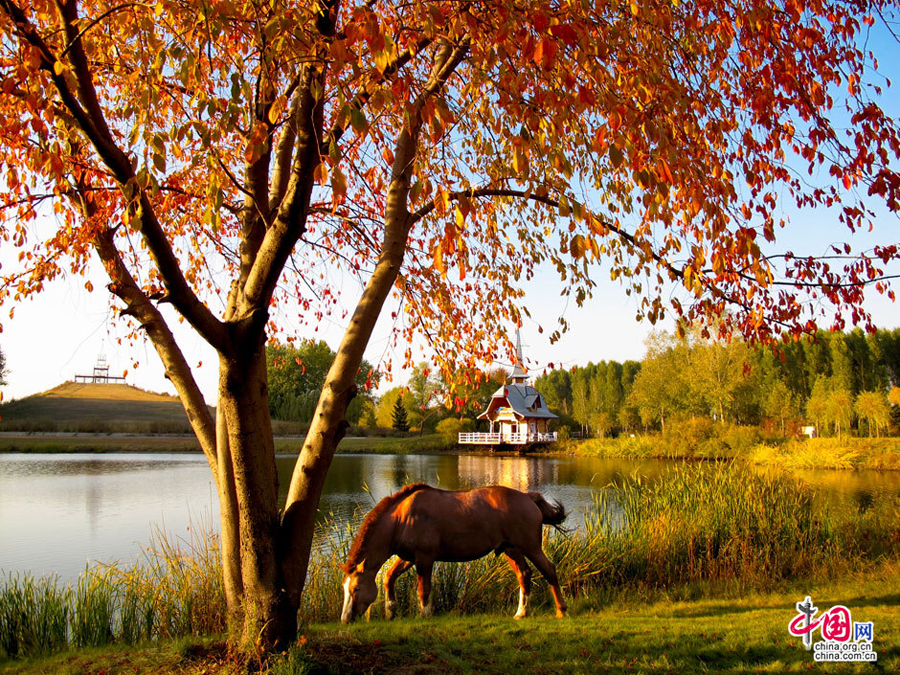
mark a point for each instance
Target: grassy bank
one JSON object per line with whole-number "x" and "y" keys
{"x": 104, "y": 443}
{"x": 746, "y": 634}
{"x": 120, "y": 418}
{"x": 703, "y": 439}
{"x": 697, "y": 532}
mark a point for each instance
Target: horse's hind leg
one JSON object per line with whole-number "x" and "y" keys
{"x": 548, "y": 569}
{"x": 423, "y": 570}
{"x": 523, "y": 574}
{"x": 390, "y": 603}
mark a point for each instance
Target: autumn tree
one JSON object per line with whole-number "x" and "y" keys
{"x": 223, "y": 159}
{"x": 659, "y": 389}
{"x": 817, "y": 403}
{"x": 839, "y": 408}
{"x": 296, "y": 374}
{"x": 715, "y": 371}
{"x": 780, "y": 403}
{"x": 873, "y": 408}
{"x": 425, "y": 395}
{"x": 2, "y": 368}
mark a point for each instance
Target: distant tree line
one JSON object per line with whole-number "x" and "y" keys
{"x": 833, "y": 380}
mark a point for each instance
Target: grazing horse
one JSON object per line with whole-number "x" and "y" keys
{"x": 421, "y": 524}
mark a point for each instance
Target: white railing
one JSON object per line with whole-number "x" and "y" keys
{"x": 498, "y": 438}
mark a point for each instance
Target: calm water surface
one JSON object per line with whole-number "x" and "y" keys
{"x": 60, "y": 512}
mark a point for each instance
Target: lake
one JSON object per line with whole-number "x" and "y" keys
{"x": 60, "y": 512}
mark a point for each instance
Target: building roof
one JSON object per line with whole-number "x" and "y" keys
{"x": 524, "y": 400}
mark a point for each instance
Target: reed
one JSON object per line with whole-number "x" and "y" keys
{"x": 725, "y": 526}
{"x": 174, "y": 589}
{"x": 34, "y": 615}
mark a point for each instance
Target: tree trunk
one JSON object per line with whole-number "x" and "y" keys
{"x": 258, "y": 609}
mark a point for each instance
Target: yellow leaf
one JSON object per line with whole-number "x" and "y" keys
{"x": 278, "y": 107}
{"x": 577, "y": 246}
{"x": 438, "y": 259}
{"x": 320, "y": 175}
{"x": 59, "y": 67}
{"x": 338, "y": 184}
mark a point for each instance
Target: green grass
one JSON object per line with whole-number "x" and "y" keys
{"x": 173, "y": 590}
{"x": 102, "y": 443}
{"x": 396, "y": 446}
{"x": 733, "y": 635}
{"x": 744, "y": 633}
{"x": 702, "y": 439}
{"x": 95, "y": 408}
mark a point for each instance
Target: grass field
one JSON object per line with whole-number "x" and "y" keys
{"x": 103, "y": 443}
{"x": 741, "y": 443}
{"x": 734, "y": 634}
{"x": 95, "y": 408}
{"x": 120, "y": 418}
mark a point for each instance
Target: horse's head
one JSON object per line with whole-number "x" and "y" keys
{"x": 360, "y": 591}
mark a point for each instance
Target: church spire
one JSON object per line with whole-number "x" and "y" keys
{"x": 519, "y": 375}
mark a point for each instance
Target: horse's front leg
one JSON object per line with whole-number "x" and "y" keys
{"x": 423, "y": 570}
{"x": 390, "y": 604}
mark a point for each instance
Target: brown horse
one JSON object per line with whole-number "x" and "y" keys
{"x": 421, "y": 524}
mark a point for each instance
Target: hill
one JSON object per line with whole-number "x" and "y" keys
{"x": 95, "y": 408}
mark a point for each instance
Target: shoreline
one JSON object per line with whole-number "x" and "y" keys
{"x": 851, "y": 454}
{"x": 27, "y": 443}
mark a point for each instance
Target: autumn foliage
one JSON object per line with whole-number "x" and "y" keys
{"x": 233, "y": 154}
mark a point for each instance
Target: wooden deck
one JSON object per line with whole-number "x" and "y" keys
{"x": 505, "y": 439}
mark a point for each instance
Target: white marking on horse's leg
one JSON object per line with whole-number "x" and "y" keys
{"x": 390, "y": 609}
{"x": 426, "y": 610}
{"x": 347, "y": 611}
{"x": 523, "y": 605}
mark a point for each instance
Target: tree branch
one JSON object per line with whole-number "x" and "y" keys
{"x": 91, "y": 121}
{"x": 138, "y": 305}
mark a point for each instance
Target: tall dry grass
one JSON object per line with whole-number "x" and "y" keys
{"x": 698, "y": 524}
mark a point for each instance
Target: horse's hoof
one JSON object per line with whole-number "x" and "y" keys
{"x": 560, "y": 614}
{"x": 390, "y": 611}
{"x": 519, "y": 616}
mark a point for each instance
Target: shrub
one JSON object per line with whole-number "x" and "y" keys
{"x": 451, "y": 427}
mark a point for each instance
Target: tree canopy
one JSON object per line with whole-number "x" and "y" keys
{"x": 296, "y": 374}
{"x": 225, "y": 158}
{"x": 733, "y": 382}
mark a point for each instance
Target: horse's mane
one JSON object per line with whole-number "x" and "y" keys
{"x": 358, "y": 550}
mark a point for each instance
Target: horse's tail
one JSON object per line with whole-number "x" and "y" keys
{"x": 553, "y": 512}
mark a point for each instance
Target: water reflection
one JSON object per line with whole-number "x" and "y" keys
{"x": 57, "y": 512}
